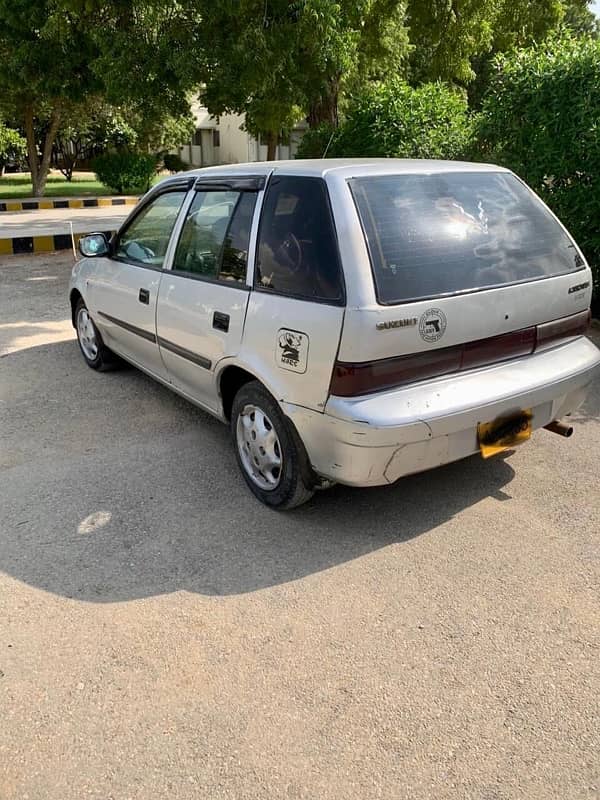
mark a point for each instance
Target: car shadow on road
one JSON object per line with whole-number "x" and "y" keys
{"x": 115, "y": 489}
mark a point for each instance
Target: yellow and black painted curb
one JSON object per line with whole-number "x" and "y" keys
{"x": 75, "y": 202}
{"x": 41, "y": 244}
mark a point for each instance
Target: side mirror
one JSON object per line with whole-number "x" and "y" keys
{"x": 94, "y": 245}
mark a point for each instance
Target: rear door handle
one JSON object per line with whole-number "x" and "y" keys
{"x": 144, "y": 296}
{"x": 221, "y": 321}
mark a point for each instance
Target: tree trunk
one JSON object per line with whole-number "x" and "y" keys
{"x": 32, "y": 155}
{"x": 325, "y": 108}
{"x": 271, "y": 145}
{"x": 40, "y": 167}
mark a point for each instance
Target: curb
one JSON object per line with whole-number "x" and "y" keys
{"x": 42, "y": 244}
{"x": 77, "y": 202}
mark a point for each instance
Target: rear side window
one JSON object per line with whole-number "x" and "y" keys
{"x": 430, "y": 235}
{"x": 297, "y": 247}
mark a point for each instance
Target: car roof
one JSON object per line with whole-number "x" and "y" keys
{"x": 345, "y": 167}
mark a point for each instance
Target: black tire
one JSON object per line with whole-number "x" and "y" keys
{"x": 296, "y": 478}
{"x": 105, "y": 358}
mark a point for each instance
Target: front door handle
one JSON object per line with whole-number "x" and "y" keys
{"x": 144, "y": 296}
{"x": 221, "y": 321}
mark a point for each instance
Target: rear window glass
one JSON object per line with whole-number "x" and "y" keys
{"x": 430, "y": 235}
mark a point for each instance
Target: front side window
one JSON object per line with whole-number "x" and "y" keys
{"x": 215, "y": 236}
{"x": 297, "y": 247}
{"x": 430, "y": 235}
{"x": 146, "y": 239}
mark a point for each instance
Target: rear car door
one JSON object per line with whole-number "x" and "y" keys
{"x": 296, "y": 309}
{"x": 203, "y": 297}
{"x": 123, "y": 291}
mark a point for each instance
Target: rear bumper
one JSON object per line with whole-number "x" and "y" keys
{"x": 376, "y": 439}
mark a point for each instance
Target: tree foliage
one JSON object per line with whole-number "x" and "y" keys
{"x": 12, "y": 145}
{"x": 395, "y": 120}
{"x": 86, "y": 130}
{"x": 579, "y": 19}
{"x": 46, "y": 56}
{"x": 277, "y": 61}
{"x": 541, "y": 118}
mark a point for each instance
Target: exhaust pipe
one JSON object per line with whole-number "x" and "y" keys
{"x": 559, "y": 427}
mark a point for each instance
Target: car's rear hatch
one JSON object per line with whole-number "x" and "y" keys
{"x": 468, "y": 268}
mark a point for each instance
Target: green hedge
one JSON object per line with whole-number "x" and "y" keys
{"x": 393, "y": 119}
{"x": 126, "y": 172}
{"x": 541, "y": 118}
{"x": 174, "y": 163}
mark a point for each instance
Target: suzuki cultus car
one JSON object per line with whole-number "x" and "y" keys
{"x": 352, "y": 321}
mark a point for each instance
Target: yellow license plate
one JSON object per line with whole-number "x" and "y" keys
{"x": 504, "y": 433}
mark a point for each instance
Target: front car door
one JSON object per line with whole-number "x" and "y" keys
{"x": 123, "y": 291}
{"x": 203, "y": 297}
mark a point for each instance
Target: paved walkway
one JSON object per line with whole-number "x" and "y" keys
{"x": 56, "y": 221}
{"x": 45, "y": 203}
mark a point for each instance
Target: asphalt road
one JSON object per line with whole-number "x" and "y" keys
{"x": 162, "y": 635}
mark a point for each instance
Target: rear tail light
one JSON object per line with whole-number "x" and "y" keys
{"x": 374, "y": 376}
{"x": 353, "y": 380}
{"x": 575, "y": 325}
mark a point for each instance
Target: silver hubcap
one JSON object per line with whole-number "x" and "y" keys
{"x": 259, "y": 447}
{"x": 87, "y": 334}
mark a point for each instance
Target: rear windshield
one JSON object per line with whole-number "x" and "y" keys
{"x": 430, "y": 235}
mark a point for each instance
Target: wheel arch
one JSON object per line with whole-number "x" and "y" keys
{"x": 74, "y": 297}
{"x": 229, "y": 381}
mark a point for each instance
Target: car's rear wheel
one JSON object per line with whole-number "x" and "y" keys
{"x": 268, "y": 450}
{"x": 96, "y": 354}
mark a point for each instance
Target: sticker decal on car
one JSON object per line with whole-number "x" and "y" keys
{"x": 432, "y": 325}
{"x": 292, "y": 350}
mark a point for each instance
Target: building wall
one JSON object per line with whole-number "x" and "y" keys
{"x": 222, "y": 141}
{"x": 234, "y": 142}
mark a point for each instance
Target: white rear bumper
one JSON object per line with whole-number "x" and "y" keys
{"x": 376, "y": 439}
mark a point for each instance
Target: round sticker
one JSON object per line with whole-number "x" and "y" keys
{"x": 432, "y": 325}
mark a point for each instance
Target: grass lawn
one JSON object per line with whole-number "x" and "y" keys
{"x": 16, "y": 185}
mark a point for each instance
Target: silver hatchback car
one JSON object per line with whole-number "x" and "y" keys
{"x": 353, "y": 321}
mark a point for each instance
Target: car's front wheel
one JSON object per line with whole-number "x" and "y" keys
{"x": 96, "y": 354}
{"x": 268, "y": 450}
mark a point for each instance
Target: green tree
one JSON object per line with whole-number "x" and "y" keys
{"x": 450, "y": 37}
{"x": 579, "y": 18}
{"x": 246, "y": 64}
{"x": 522, "y": 24}
{"x": 541, "y": 118}
{"x": 46, "y": 57}
{"x": 157, "y": 131}
{"x": 88, "y": 129}
{"x": 395, "y": 120}
{"x": 12, "y": 145}
{"x": 143, "y": 63}
{"x": 278, "y": 61}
